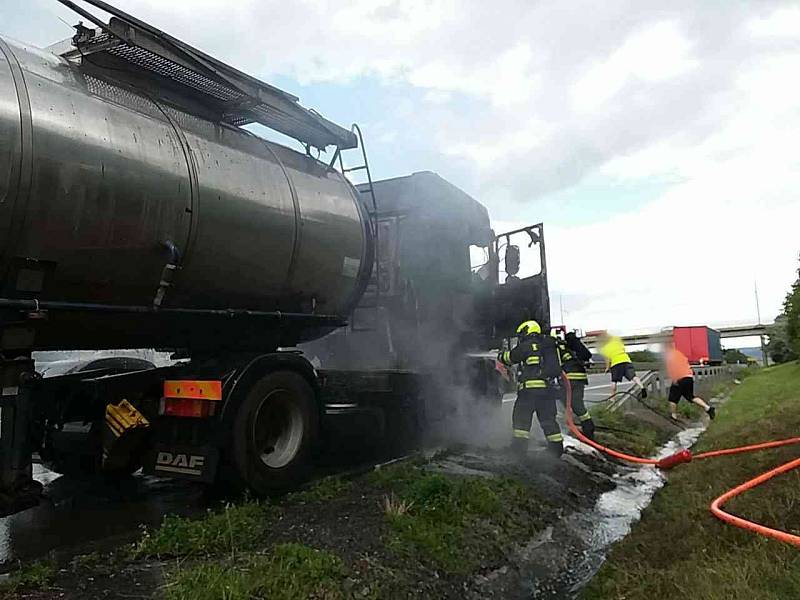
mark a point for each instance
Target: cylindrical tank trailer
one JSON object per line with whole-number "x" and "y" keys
{"x": 102, "y": 186}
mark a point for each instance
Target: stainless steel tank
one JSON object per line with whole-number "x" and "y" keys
{"x": 97, "y": 180}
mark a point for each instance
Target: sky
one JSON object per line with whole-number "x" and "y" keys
{"x": 657, "y": 141}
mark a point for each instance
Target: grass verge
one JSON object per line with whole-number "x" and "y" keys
{"x": 453, "y": 524}
{"x": 236, "y": 527}
{"x": 422, "y": 521}
{"x": 627, "y": 433}
{"x": 36, "y": 575}
{"x": 322, "y": 490}
{"x": 287, "y": 572}
{"x": 678, "y": 548}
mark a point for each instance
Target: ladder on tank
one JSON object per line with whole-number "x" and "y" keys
{"x": 370, "y": 300}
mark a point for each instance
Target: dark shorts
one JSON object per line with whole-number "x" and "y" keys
{"x": 622, "y": 370}
{"x": 683, "y": 388}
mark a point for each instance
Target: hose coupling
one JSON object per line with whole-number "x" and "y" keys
{"x": 668, "y": 462}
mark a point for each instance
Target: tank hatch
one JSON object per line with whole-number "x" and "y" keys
{"x": 137, "y": 53}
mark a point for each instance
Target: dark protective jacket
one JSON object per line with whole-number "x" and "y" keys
{"x": 533, "y": 353}
{"x": 574, "y": 355}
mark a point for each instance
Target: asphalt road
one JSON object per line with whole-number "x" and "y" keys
{"x": 599, "y": 387}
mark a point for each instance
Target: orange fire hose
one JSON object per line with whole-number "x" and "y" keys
{"x": 776, "y": 534}
{"x": 685, "y": 456}
{"x": 741, "y": 449}
{"x": 582, "y": 437}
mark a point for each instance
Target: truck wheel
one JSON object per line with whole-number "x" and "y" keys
{"x": 274, "y": 433}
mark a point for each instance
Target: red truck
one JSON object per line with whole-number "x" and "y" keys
{"x": 699, "y": 343}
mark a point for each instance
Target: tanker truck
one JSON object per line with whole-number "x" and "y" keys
{"x": 137, "y": 211}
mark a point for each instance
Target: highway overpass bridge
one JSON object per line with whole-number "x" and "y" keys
{"x": 735, "y": 331}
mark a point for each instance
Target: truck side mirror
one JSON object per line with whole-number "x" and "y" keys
{"x": 512, "y": 260}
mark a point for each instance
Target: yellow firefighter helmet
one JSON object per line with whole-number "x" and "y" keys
{"x": 529, "y": 327}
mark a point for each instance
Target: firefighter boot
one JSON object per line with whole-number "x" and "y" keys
{"x": 519, "y": 446}
{"x": 555, "y": 444}
{"x": 587, "y": 427}
{"x": 555, "y": 448}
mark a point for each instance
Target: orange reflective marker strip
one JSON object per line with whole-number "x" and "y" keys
{"x": 194, "y": 389}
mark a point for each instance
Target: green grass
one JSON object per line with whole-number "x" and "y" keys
{"x": 680, "y": 549}
{"x": 36, "y": 575}
{"x": 743, "y": 374}
{"x": 454, "y": 523}
{"x": 322, "y": 490}
{"x": 236, "y": 527}
{"x": 88, "y": 561}
{"x": 628, "y": 434}
{"x": 398, "y": 475}
{"x": 287, "y": 572}
{"x": 445, "y": 522}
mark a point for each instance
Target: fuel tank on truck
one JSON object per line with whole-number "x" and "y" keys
{"x": 104, "y": 183}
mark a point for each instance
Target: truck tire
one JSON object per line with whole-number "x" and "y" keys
{"x": 274, "y": 433}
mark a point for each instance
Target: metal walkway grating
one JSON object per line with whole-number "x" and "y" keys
{"x": 166, "y": 68}
{"x": 235, "y": 97}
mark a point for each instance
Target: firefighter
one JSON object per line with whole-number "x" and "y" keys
{"x": 574, "y": 356}
{"x": 537, "y": 356}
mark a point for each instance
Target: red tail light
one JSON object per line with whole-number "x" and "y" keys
{"x": 191, "y": 398}
{"x": 187, "y": 407}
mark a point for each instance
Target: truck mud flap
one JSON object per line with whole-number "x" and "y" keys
{"x": 196, "y": 463}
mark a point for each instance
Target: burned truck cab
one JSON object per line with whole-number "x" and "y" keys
{"x": 464, "y": 285}
{"x": 520, "y": 292}
{"x": 445, "y": 294}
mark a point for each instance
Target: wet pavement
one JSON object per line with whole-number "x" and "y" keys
{"x": 81, "y": 516}
{"x": 78, "y": 516}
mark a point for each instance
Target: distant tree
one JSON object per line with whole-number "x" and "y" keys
{"x": 735, "y": 356}
{"x": 791, "y": 309}
{"x": 784, "y": 334}
{"x": 779, "y": 347}
{"x": 643, "y": 356}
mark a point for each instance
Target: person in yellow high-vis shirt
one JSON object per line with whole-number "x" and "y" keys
{"x": 619, "y": 363}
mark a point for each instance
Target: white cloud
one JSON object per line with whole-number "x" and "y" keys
{"x": 486, "y": 150}
{"x": 398, "y": 23}
{"x": 655, "y": 54}
{"x": 505, "y": 80}
{"x": 784, "y": 22}
{"x": 690, "y": 257}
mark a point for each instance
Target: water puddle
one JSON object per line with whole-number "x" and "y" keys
{"x": 78, "y": 517}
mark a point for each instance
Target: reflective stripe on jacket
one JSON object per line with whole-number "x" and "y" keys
{"x": 578, "y": 376}
{"x": 527, "y": 354}
{"x": 574, "y": 368}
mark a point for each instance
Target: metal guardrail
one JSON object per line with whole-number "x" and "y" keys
{"x": 598, "y": 367}
{"x": 657, "y": 381}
